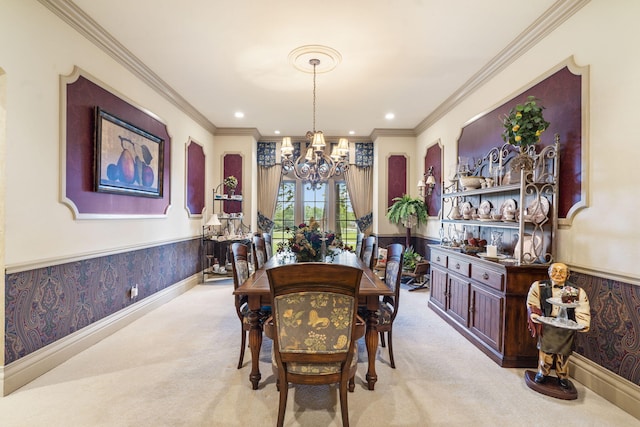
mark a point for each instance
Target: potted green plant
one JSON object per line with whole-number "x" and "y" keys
{"x": 410, "y": 259}
{"x": 524, "y": 124}
{"x": 409, "y": 212}
{"x": 522, "y": 128}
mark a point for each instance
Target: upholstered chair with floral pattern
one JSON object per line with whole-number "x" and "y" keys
{"x": 268, "y": 244}
{"x": 315, "y": 327}
{"x": 259, "y": 252}
{"x": 240, "y": 264}
{"x": 389, "y": 304}
{"x": 368, "y": 254}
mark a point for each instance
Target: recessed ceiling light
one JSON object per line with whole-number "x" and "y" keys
{"x": 239, "y": 114}
{"x": 277, "y": 132}
{"x": 352, "y": 132}
{"x": 390, "y": 116}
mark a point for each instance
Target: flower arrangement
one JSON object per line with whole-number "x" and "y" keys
{"x": 306, "y": 242}
{"x": 231, "y": 182}
{"x": 524, "y": 124}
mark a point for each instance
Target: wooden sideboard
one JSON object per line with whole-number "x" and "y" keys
{"x": 485, "y": 302}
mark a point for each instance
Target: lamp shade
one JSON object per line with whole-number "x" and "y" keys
{"x": 318, "y": 143}
{"x": 287, "y": 148}
{"x": 431, "y": 180}
{"x": 214, "y": 220}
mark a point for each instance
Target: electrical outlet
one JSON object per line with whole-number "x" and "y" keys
{"x": 134, "y": 291}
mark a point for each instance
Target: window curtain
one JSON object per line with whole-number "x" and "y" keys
{"x": 360, "y": 187}
{"x": 269, "y": 175}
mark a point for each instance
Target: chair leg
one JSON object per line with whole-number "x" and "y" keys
{"x": 344, "y": 408}
{"x": 284, "y": 390}
{"x": 393, "y": 363}
{"x": 352, "y": 384}
{"x": 243, "y": 344}
{"x": 382, "y": 342}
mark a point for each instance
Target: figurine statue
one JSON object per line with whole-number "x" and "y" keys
{"x": 555, "y": 343}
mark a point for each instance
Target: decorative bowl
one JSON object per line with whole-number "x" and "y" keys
{"x": 471, "y": 182}
{"x": 485, "y": 216}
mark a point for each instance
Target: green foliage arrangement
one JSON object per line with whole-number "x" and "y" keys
{"x": 524, "y": 124}
{"x": 410, "y": 259}
{"x": 405, "y": 210}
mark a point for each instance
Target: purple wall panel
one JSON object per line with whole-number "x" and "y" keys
{"x": 561, "y": 95}
{"x": 434, "y": 158}
{"x": 195, "y": 178}
{"x": 232, "y": 165}
{"x": 82, "y": 98}
{"x": 396, "y": 178}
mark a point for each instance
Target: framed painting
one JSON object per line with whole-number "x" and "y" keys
{"x": 128, "y": 160}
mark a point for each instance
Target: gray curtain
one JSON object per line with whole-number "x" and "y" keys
{"x": 360, "y": 186}
{"x": 268, "y": 184}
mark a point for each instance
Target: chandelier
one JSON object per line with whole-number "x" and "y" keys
{"x": 314, "y": 166}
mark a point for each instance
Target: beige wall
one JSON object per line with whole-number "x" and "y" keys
{"x": 38, "y": 48}
{"x": 603, "y": 237}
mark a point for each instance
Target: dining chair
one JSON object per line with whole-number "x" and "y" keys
{"x": 416, "y": 278}
{"x": 268, "y": 244}
{"x": 389, "y": 304}
{"x": 315, "y": 327}
{"x": 368, "y": 251}
{"x": 259, "y": 252}
{"x": 240, "y": 264}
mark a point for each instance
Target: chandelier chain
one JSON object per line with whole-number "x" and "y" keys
{"x": 314, "y": 62}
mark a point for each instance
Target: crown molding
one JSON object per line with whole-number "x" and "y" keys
{"x": 377, "y": 133}
{"x": 253, "y": 132}
{"x": 85, "y": 25}
{"x": 545, "y": 24}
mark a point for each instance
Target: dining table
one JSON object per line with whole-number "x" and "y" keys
{"x": 256, "y": 288}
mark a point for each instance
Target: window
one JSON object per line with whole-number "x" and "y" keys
{"x": 329, "y": 205}
{"x": 345, "y": 217}
{"x": 284, "y": 217}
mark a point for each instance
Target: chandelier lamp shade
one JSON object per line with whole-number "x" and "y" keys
{"x": 314, "y": 166}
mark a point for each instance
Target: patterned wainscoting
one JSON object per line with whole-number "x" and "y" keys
{"x": 614, "y": 339}
{"x": 47, "y": 304}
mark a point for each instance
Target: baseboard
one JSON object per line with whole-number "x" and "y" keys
{"x": 30, "y": 367}
{"x": 617, "y": 390}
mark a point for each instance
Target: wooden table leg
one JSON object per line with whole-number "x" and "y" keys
{"x": 371, "y": 338}
{"x": 255, "y": 342}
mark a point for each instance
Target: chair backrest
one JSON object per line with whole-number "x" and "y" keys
{"x": 314, "y": 312}
{"x": 268, "y": 244}
{"x": 240, "y": 263}
{"x": 368, "y": 252}
{"x": 259, "y": 252}
{"x": 393, "y": 274}
{"x": 422, "y": 267}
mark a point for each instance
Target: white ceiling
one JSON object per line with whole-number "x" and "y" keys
{"x": 408, "y": 57}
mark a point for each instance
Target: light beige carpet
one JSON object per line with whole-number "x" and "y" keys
{"x": 177, "y": 367}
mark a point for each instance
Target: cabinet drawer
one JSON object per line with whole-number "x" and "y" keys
{"x": 439, "y": 258}
{"x": 459, "y": 266}
{"x": 494, "y": 279}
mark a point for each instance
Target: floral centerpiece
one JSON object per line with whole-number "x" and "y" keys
{"x": 524, "y": 124}
{"x": 306, "y": 242}
{"x": 231, "y": 182}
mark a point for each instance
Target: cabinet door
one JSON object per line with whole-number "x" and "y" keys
{"x": 486, "y": 313}
{"x": 439, "y": 287}
{"x": 459, "y": 299}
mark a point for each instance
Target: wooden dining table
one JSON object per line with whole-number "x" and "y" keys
{"x": 256, "y": 288}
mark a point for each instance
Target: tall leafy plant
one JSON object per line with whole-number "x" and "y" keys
{"x": 409, "y": 212}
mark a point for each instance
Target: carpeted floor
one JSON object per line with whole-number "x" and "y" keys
{"x": 177, "y": 367}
